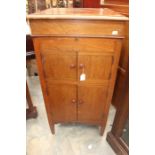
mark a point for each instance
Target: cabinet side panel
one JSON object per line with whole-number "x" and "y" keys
{"x": 118, "y": 46}
{"x": 36, "y": 42}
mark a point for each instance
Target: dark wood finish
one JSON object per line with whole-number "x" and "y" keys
{"x": 122, "y": 114}
{"x": 29, "y": 43}
{"x": 29, "y": 48}
{"x": 91, "y": 3}
{"x": 117, "y": 147}
{"x": 30, "y": 55}
{"x": 71, "y": 48}
{"x": 31, "y": 112}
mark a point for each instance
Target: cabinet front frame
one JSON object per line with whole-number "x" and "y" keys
{"x": 117, "y": 49}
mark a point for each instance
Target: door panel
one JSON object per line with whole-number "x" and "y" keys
{"x": 63, "y": 102}
{"x": 91, "y": 102}
{"x": 59, "y": 65}
{"x": 97, "y": 67}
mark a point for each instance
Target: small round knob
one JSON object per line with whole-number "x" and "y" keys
{"x": 73, "y": 101}
{"x": 72, "y": 66}
{"x": 80, "y": 101}
{"x": 81, "y": 66}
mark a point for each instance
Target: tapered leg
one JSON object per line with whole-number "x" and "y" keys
{"x": 31, "y": 112}
{"x": 52, "y": 128}
{"x": 102, "y": 128}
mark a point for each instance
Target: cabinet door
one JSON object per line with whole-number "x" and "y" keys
{"x": 63, "y": 101}
{"x": 91, "y": 102}
{"x": 58, "y": 63}
{"x": 58, "y": 66}
{"x": 96, "y": 66}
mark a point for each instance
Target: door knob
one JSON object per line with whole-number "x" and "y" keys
{"x": 81, "y": 66}
{"x": 72, "y": 66}
{"x": 80, "y": 101}
{"x": 73, "y": 101}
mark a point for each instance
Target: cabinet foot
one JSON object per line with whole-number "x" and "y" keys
{"x": 102, "y": 128}
{"x": 52, "y": 129}
{"x": 31, "y": 113}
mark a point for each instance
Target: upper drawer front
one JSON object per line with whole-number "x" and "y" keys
{"x": 76, "y": 27}
{"x": 95, "y": 44}
{"x": 77, "y": 44}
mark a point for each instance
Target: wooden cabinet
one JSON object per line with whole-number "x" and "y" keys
{"x": 91, "y": 4}
{"x": 118, "y": 137}
{"x": 77, "y": 57}
{"x": 86, "y": 3}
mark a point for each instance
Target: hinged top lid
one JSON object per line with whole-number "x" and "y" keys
{"x": 78, "y": 13}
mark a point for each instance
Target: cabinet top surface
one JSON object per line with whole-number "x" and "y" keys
{"x": 78, "y": 13}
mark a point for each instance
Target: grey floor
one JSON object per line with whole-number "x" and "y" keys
{"x": 70, "y": 139}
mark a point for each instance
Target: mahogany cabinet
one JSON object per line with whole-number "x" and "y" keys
{"x": 77, "y": 53}
{"x": 118, "y": 137}
{"x": 91, "y": 3}
{"x": 31, "y": 111}
{"x": 86, "y": 3}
